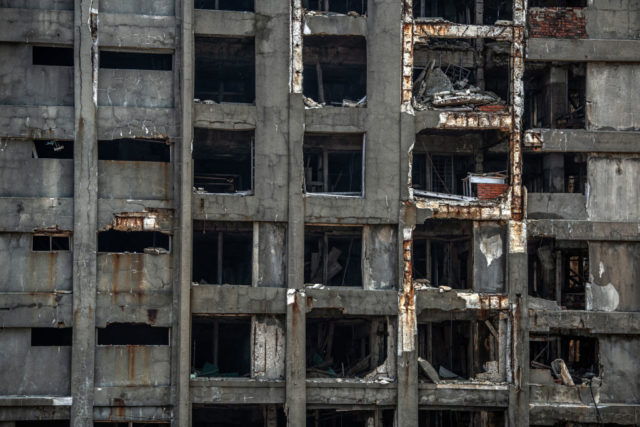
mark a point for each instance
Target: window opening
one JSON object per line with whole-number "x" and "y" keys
{"x": 333, "y": 258}
{"x": 238, "y": 416}
{"x": 461, "y": 418}
{"x": 51, "y": 337}
{"x": 132, "y": 334}
{"x": 136, "y": 61}
{"x": 61, "y": 56}
{"x": 555, "y": 353}
{"x": 152, "y": 242}
{"x": 50, "y": 243}
{"x": 335, "y": 418}
{"x": 237, "y": 5}
{"x": 135, "y": 150}
{"x": 351, "y": 7}
{"x": 52, "y": 149}
{"x": 468, "y": 12}
{"x": 555, "y": 173}
{"x": 221, "y": 347}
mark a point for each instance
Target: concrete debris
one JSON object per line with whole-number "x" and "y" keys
{"x": 561, "y": 371}
{"x": 310, "y": 103}
{"x": 491, "y": 372}
{"x": 349, "y": 103}
{"x": 447, "y": 374}
{"x": 429, "y": 370}
{"x": 444, "y": 288}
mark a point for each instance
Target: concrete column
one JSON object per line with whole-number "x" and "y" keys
{"x": 85, "y": 211}
{"x": 379, "y": 263}
{"x": 269, "y": 250}
{"x": 268, "y": 348}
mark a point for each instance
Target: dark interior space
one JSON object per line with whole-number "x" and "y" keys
{"x": 52, "y": 149}
{"x": 461, "y": 418}
{"x": 127, "y": 424}
{"x": 221, "y": 346}
{"x": 464, "y": 11}
{"x": 333, "y": 163}
{"x": 237, "y": 5}
{"x": 333, "y": 257}
{"x": 132, "y": 334}
{"x": 579, "y": 353}
{"x": 49, "y": 243}
{"x": 139, "y": 242}
{"x": 337, "y": 6}
{"x": 344, "y": 347}
{"x": 339, "y": 418}
{"x": 44, "y": 55}
{"x": 136, "y": 60}
{"x": 335, "y": 69}
{"x": 557, "y": 3}
{"x": 238, "y": 416}
{"x": 223, "y": 161}
{"x": 555, "y": 173}
{"x": 51, "y": 337}
{"x": 43, "y": 423}
{"x": 135, "y": 150}
{"x": 222, "y": 253}
{"x": 225, "y": 69}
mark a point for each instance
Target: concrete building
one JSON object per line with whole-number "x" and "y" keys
{"x": 365, "y": 213}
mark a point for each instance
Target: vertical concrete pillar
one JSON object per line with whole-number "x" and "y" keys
{"x": 379, "y": 263}
{"x": 268, "y": 348}
{"x": 85, "y": 211}
{"x": 269, "y": 254}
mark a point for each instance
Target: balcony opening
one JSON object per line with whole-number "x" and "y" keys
{"x": 132, "y": 334}
{"x": 335, "y": 71}
{"x": 555, "y": 95}
{"x": 51, "y": 243}
{"x": 223, "y": 161}
{"x": 60, "y": 56}
{"x": 465, "y": 11}
{"x": 344, "y": 347}
{"x": 334, "y": 163}
{"x": 558, "y": 272}
{"x": 225, "y": 70}
{"x": 238, "y": 416}
{"x": 350, "y": 7}
{"x": 221, "y": 346}
{"x": 136, "y": 61}
{"x": 222, "y": 253}
{"x": 570, "y": 359}
{"x": 52, "y": 149}
{"x": 555, "y": 173}
{"x": 135, "y": 150}
{"x": 333, "y": 257}
{"x": 51, "y": 337}
{"x": 442, "y": 418}
{"x": 150, "y": 242}
{"x": 237, "y": 5}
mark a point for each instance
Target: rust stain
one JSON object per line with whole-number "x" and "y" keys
{"x": 131, "y": 371}
{"x": 152, "y": 315}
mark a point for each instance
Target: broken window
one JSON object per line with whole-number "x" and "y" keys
{"x": 571, "y": 359}
{"x": 139, "y": 242}
{"x": 136, "y": 61}
{"x": 559, "y": 271}
{"x": 344, "y": 347}
{"x": 238, "y": 5}
{"x": 223, "y": 161}
{"x": 51, "y": 337}
{"x": 335, "y": 70}
{"x": 135, "y": 150}
{"x": 351, "y": 418}
{"x": 333, "y": 257}
{"x": 225, "y": 69}
{"x": 221, "y": 346}
{"x": 555, "y": 95}
{"x": 238, "y": 416}
{"x": 222, "y": 253}
{"x": 132, "y": 334}
{"x": 44, "y": 55}
{"x": 334, "y": 163}
{"x": 51, "y": 243}
{"x": 443, "y": 254}
{"x": 555, "y": 173}
{"x": 465, "y": 11}
{"x": 358, "y": 7}
{"x": 52, "y": 149}
{"x": 441, "y": 418}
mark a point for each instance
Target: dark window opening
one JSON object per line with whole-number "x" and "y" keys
{"x": 222, "y": 253}
{"x": 136, "y": 61}
{"x": 557, "y": 3}
{"x": 237, "y": 5}
{"x": 345, "y": 348}
{"x": 339, "y": 418}
{"x": 52, "y": 149}
{"x": 41, "y": 337}
{"x": 559, "y": 271}
{"x": 132, "y": 334}
{"x": 443, "y": 254}
{"x": 337, "y": 6}
{"x": 333, "y": 258}
{"x": 133, "y": 242}
{"x": 335, "y": 70}
{"x": 223, "y": 161}
{"x": 555, "y": 173}
{"x": 135, "y": 150}
{"x": 221, "y": 346}
{"x": 62, "y": 56}
{"x": 238, "y": 416}
{"x": 555, "y": 95}
{"x": 461, "y": 418}
{"x": 465, "y": 11}
{"x": 333, "y": 163}
{"x": 51, "y": 243}
{"x": 128, "y": 424}
{"x": 225, "y": 69}
{"x": 579, "y": 354}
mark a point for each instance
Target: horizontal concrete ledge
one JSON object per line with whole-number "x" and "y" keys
{"x": 584, "y": 230}
{"x": 132, "y": 396}
{"x": 127, "y": 413}
{"x": 224, "y": 23}
{"x": 36, "y": 26}
{"x": 583, "y": 50}
{"x": 236, "y": 390}
{"x": 36, "y": 400}
{"x": 25, "y": 214}
{"x": 595, "y": 322}
{"x": 550, "y": 413}
{"x": 436, "y": 119}
{"x": 561, "y": 394}
{"x": 433, "y": 299}
{"x": 136, "y": 122}
{"x": 235, "y": 207}
{"x": 224, "y": 116}
{"x": 350, "y": 392}
{"x": 229, "y": 299}
{"x": 354, "y": 301}
{"x": 36, "y": 309}
{"x": 24, "y": 121}
{"x": 578, "y": 140}
{"x": 335, "y": 25}
{"x": 556, "y": 206}
{"x": 329, "y": 209}
{"x": 425, "y": 29}
{"x": 335, "y": 120}
{"x": 467, "y": 395}
{"x": 120, "y": 30}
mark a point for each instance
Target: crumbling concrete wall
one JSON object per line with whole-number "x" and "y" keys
{"x": 270, "y": 254}
{"x": 132, "y": 365}
{"x": 140, "y": 7}
{"x": 135, "y": 180}
{"x": 618, "y": 359}
{"x": 613, "y": 19}
{"x": 268, "y": 348}
{"x": 612, "y": 93}
{"x": 38, "y": 4}
{"x": 614, "y": 193}
{"x": 380, "y": 258}
{"x": 614, "y": 274}
{"x": 489, "y": 255}
{"x": 135, "y": 88}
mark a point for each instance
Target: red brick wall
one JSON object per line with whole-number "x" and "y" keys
{"x": 557, "y": 22}
{"x": 491, "y": 191}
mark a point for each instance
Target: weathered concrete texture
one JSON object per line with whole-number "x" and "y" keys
{"x": 581, "y": 50}
{"x": 268, "y": 349}
{"x": 132, "y": 396}
{"x": 579, "y": 140}
{"x": 339, "y": 25}
{"x": 379, "y": 262}
{"x": 136, "y": 31}
{"x": 43, "y": 310}
{"x": 350, "y": 392}
{"x": 489, "y": 255}
{"x": 613, "y": 19}
{"x": 611, "y": 93}
{"x": 142, "y": 7}
{"x": 135, "y": 88}
{"x": 618, "y": 354}
{"x": 561, "y": 394}
{"x": 125, "y": 414}
{"x": 227, "y": 23}
{"x": 224, "y": 116}
{"x": 36, "y": 122}
{"x": 129, "y": 122}
{"x": 583, "y": 230}
{"x": 29, "y": 370}
{"x": 38, "y": 4}
{"x": 24, "y": 215}
{"x": 614, "y": 288}
{"x": 35, "y": 175}
{"x": 594, "y": 322}
{"x": 141, "y": 215}
{"x": 129, "y": 365}
{"x": 233, "y": 390}
{"x": 335, "y": 119}
{"x": 36, "y": 26}
{"x": 135, "y": 180}
{"x": 467, "y": 395}
{"x": 556, "y": 206}
{"x": 229, "y": 299}
{"x": 614, "y": 193}
{"x": 270, "y": 249}
{"x": 354, "y": 301}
